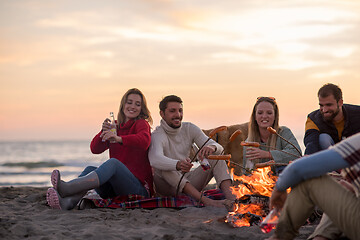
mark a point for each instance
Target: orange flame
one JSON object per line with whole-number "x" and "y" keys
{"x": 260, "y": 182}
{"x": 243, "y": 209}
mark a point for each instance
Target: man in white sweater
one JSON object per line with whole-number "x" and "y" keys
{"x": 169, "y": 152}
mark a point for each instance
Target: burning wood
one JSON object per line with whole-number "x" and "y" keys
{"x": 243, "y": 219}
{"x": 252, "y": 201}
{"x": 261, "y": 182}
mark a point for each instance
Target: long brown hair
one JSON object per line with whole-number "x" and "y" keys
{"x": 144, "y": 113}
{"x": 254, "y": 133}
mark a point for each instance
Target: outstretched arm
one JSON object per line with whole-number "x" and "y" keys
{"x": 311, "y": 166}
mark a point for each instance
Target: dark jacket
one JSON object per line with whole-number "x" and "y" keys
{"x": 351, "y": 126}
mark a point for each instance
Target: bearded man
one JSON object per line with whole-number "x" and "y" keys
{"x": 330, "y": 124}
{"x": 333, "y": 122}
{"x": 169, "y": 152}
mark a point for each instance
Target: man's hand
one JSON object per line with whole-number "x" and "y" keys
{"x": 184, "y": 165}
{"x": 206, "y": 151}
{"x": 278, "y": 199}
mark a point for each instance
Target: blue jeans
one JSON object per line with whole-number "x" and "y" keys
{"x": 115, "y": 180}
{"x": 325, "y": 141}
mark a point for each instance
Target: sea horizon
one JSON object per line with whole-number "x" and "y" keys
{"x": 30, "y": 162}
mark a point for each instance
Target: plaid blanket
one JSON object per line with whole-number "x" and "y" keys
{"x": 138, "y": 201}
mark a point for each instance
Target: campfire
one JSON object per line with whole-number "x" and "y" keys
{"x": 253, "y": 193}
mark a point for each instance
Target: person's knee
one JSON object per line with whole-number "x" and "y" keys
{"x": 107, "y": 170}
{"x": 112, "y": 164}
{"x": 87, "y": 170}
{"x": 113, "y": 161}
{"x": 325, "y": 141}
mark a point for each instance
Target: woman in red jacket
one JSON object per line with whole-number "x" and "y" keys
{"x": 127, "y": 171}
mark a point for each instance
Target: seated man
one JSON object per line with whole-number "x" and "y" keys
{"x": 311, "y": 187}
{"x": 331, "y": 123}
{"x": 169, "y": 152}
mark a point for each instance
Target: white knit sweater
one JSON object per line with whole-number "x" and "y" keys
{"x": 169, "y": 145}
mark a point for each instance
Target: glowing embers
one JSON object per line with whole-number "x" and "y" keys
{"x": 252, "y": 194}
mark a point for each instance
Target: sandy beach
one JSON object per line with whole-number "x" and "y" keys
{"x": 25, "y": 214}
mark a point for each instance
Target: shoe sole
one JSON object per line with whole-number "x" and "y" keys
{"x": 55, "y": 178}
{"x": 52, "y": 198}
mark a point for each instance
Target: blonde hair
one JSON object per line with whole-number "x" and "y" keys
{"x": 254, "y": 133}
{"x": 144, "y": 113}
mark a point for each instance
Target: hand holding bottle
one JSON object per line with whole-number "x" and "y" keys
{"x": 113, "y": 126}
{"x": 201, "y": 156}
{"x": 106, "y": 126}
{"x": 109, "y": 136}
{"x": 109, "y": 129}
{"x": 277, "y": 201}
{"x": 269, "y": 223}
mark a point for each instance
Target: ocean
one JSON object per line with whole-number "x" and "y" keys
{"x": 31, "y": 163}
{"x": 27, "y": 163}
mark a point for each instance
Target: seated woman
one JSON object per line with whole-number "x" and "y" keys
{"x": 128, "y": 170}
{"x": 266, "y": 114}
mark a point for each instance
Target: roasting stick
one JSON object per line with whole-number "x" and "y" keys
{"x": 219, "y": 157}
{"x": 269, "y": 163}
{"x": 212, "y": 167}
{"x": 273, "y": 131}
{"x": 216, "y": 157}
{"x": 257, "y": 165}
{"x": 211, "y": 134}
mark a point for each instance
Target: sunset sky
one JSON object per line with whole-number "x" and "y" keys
{"x": 64, "y": 65}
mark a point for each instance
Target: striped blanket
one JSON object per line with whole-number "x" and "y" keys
{"x": 137, "y": 201}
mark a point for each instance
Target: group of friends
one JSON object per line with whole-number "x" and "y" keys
{"x": 143, "y": 162}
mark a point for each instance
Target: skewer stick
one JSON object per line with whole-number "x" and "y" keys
{"x": 211, "y": 134}
{"x": 269, "y": 163}
{"x": 220, "y": 157}
{"x": 235, "y": 163}
{"x": 273, "y": 131}
{"x": 256, "y": 144}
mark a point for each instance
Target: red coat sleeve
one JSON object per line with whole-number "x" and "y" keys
{"x": 97, "y": 146}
